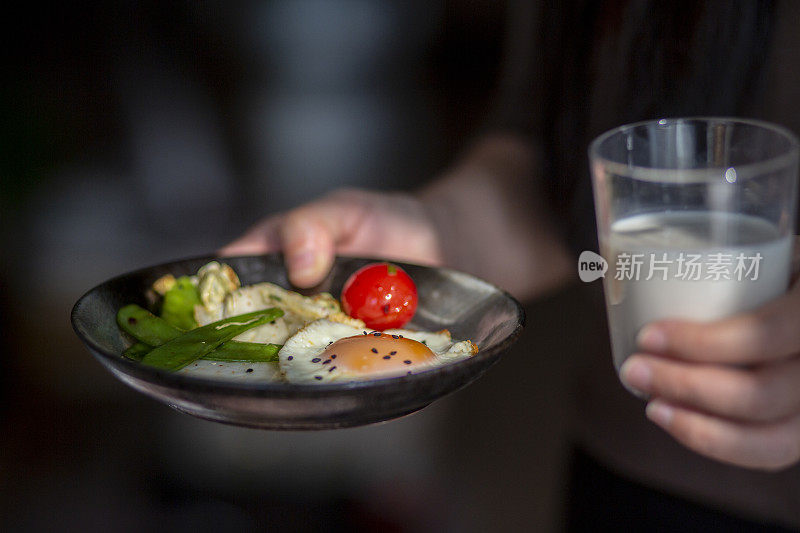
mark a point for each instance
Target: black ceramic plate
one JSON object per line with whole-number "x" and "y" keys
{"x": 468, "y": 307}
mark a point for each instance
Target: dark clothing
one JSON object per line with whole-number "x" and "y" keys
{"x": 579, "y": 68}
{"x": 600, "y": 500}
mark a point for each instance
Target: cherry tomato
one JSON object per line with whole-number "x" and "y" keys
{"x": 380, "y": 294}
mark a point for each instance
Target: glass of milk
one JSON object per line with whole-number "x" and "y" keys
{"x": 695, "y": 218}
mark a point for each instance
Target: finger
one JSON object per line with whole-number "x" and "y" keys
{"x": 763, "y": 394}
{"x": 310, "y": 235}
{"x": 767, "y": 333}
{"x": 262, "y": 238}
{"x": 767, "y": 446}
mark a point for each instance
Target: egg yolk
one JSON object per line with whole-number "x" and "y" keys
{"x": 376, "y": 353}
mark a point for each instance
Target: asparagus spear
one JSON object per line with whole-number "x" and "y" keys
{"x": 151, "y": 330}
{"x": 192, "y": 345}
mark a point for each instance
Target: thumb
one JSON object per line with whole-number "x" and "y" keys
{"x": 309, "y": 236}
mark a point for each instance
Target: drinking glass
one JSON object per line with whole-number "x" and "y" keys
{"x": 695, "y": 217}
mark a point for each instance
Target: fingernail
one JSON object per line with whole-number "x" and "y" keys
{"x": 652, "y": 339}
{"x": 659, "y": 412}
{"x": 636, "y": 374}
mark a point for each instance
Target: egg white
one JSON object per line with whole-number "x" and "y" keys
{"x": 259, "y": 372}
{"x": 295, "y": 358}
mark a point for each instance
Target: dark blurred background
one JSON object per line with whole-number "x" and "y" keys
{"x": 139, "y": 132}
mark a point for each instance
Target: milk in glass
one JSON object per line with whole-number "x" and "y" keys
{"x": 697, "y": 265}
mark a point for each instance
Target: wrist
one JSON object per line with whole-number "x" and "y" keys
{"x": 491, "y": 221}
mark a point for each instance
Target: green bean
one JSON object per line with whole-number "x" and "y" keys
{"x": 151, "y": 330}
{"x": 144, "y": 326}
{"x": 137, "y": 351}
{"x": 245, "y": 352}
{"x": 230, "y": 352}
{"x": 194, "y": 344}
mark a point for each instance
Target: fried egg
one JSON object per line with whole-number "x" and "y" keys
{"x": 325, "y": 351}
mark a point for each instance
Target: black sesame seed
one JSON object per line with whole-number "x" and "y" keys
{"x": 249, "y": 370}
{"x": 333, "y": 356}
{"x": 395, "y": 336}
{"x": 387, "y": 356}
{"x": 326, "y": 361}
{"x": 330, "y": 343}
{"x": 365, "y": 333}
{"x": 425, "y": 342}
{"x": 272, "y": 322}
{"x": 377, "y": 334}
{"x": 317, "y": 377}
{"x": 393, "y": 352}
{"x": 407, "y": 361}
{"x": 316, "y": 360}
{"x": 331, "y": 369}
{"x": 374, "y": 350}
{"x": 290, "y": 358}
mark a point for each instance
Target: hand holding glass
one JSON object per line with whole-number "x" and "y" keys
{"x": 695, "y": 218}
